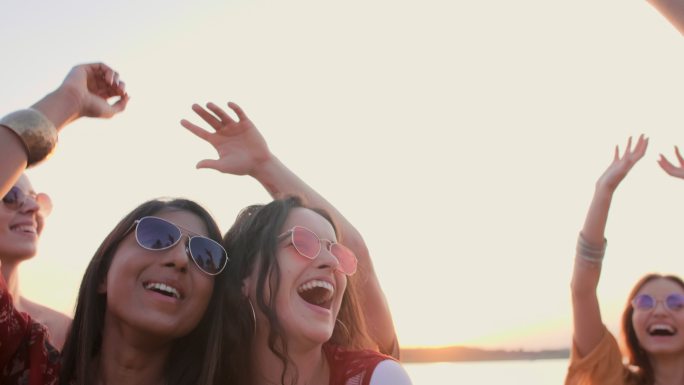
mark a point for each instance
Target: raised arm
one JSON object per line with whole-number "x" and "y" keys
{"x": 84, "y": 92}
{"x": 588, "y": 326}
{"x": 673, "y": 10}
{"x": 243, "y": 151}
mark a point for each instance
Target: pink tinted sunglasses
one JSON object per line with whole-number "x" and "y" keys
{"x": 308, "y": 245}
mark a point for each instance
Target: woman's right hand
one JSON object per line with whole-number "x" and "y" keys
{"x": 92, "y": 85}
{"x": 620, "y": 166}
{"x": 677, "y": 172}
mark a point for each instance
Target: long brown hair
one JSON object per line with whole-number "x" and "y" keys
{"x": 642, "y": 373}
{"x": 254, "y": 237}
{"x": 194, "y": 358}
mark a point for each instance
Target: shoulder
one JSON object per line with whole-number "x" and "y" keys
{"x": 57, "y": 323}
{"x": 390, "y": 372}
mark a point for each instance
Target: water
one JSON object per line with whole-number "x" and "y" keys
{"x": 539, "y": 372}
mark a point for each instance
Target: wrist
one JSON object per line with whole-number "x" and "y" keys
{"x": 61, "y": 106}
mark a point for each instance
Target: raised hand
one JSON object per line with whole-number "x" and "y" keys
{"x": 676, "y": 171}
{"x": 93, "y": 85}
{"x": 239, "y": 144}
{"x": 617, "y": 170}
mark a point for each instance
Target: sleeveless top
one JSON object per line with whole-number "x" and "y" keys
{"x": 352, "y": 367}
{"x": 26, "y": 356}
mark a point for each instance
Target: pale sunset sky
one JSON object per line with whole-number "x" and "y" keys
{"x": 462, "y": 138}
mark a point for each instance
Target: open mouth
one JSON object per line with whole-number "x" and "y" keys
{"x": 162, "y": 289}
{"x": 318, "y": 293}
{"x": 662, "y": 330}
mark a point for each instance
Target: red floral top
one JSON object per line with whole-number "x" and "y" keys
{"x": 352, "y": 367}
{"x": 26, "y": 356}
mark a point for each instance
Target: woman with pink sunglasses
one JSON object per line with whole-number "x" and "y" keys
{"x": 242, "y": 150}
{"x": 297, "y": 273}
{"x": 653, "y": 319}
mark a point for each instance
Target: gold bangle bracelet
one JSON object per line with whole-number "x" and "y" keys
{"x": 37, "y": 133}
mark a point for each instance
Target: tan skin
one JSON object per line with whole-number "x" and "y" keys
{"x": 19, "y": 232}
{"x": 587, "y": 321}
{"x": 673, "y": 10}
{"x": 242, "y": 150}
{"x": 84, "y": 92}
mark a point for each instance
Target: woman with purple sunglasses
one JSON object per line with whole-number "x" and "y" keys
{"x": 653, "y": 319}
{"x": 294, "y": 279}
{"x": 23, "y": 211}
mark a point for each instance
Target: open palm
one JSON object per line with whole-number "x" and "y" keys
{"x": 240, "y": 146}
{"x": 620, "y": 166}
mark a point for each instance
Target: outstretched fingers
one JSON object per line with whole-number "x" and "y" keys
{"x": 207, "y": 116}
{"x": 220, "y": 113}
{"x": 197, "y": 130}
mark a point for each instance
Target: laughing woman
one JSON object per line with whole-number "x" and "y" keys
{"x": 653, "y": 319}
{"x": 242, "y": 150}
{"x": 147, "y": 306}
{"x": 294, "y": 277}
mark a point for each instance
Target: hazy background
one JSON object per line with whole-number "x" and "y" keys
{"x": 462, "y": 138}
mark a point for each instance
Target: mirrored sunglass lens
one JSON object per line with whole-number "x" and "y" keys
{"x": 644, "y": 302}
{"x": 675, "y": 301}
{"x": 306, "y": 242}
{"x": 156, "y": 234}
{"x": 346, "y": 258}
{"x": 207, "y": 254}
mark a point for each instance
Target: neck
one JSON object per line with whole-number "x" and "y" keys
{"x": 668, "y": 369}
{"x": 131, "y": 357}
{"x": 309, "y": 360}
{"x": 10, "y": 271}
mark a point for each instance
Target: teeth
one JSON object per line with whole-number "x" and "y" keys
{"x": 164, "y": 288}
{"x": 664, "y": 327}
{"x": 316, "y": 283}
{"x": 25, "y": 229}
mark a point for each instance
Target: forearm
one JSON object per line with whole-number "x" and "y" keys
{"x": 60, "y": 107}
{"x": 587, "y": 321}
{"x": 12, "y": 159}
{"x": 673, "y": 10}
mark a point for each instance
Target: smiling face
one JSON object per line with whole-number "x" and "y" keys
{"x": 310, "y": 293}
{"x": 158, "y": 292}
{"x": 660, "y": 330}
{"x": 20, "y": 229}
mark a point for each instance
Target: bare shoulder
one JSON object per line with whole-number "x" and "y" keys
{"x": 390, "y": 372}
{"x": 56, "y": 322}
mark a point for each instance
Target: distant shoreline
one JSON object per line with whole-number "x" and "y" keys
{"x": 465, "y": 354}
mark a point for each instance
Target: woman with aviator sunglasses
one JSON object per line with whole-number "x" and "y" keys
{"x": 300, "y": 313}
{"x": 148, "y": 308}
{"x": 653, "y": 319}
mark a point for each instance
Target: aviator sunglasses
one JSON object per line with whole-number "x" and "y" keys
{"x": 16, "y": 198}
{"x": 153, "y": 233}
{"x": 308, "y": 245}
{"x": 645, "y": 302}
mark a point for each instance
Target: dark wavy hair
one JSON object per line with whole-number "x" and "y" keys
{"x": 253, "y": 241}
{"x": 637, "y": 357}
{"x": 194, "y": 358}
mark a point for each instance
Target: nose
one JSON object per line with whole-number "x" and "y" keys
{"x": 325, "y": 258}
{"x": 177, "y": 256}
{"x": 30, "y": 205}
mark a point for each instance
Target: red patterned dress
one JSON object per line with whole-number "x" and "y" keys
{"x": 26, "y": 356}
{"x": 352, "y": 367}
